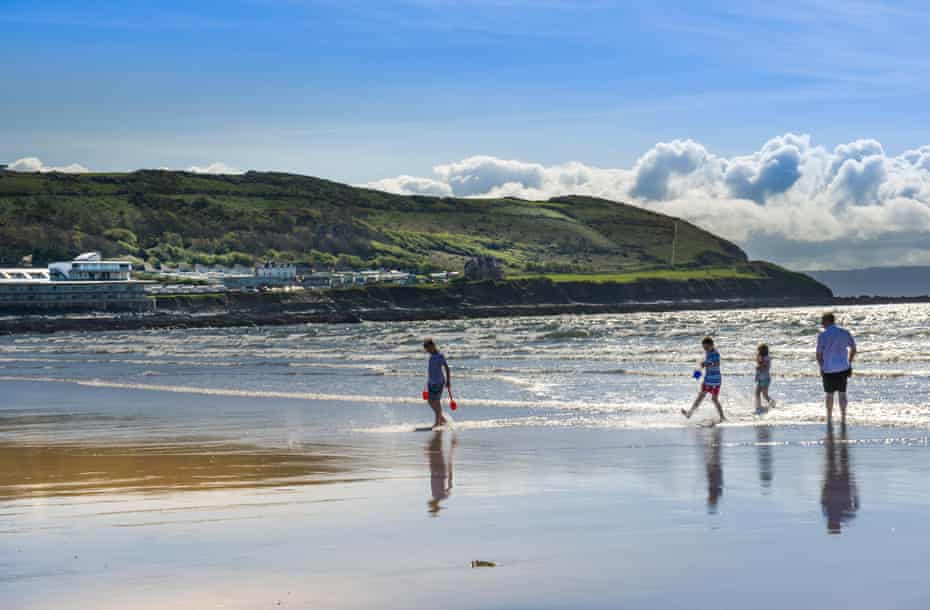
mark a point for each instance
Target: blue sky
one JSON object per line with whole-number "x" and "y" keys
{"x": 361, "y": 91}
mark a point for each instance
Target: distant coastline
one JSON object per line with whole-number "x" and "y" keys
{"x": 911, "y": 281}
{"x": 517, "y": 298}
{"x": 123, "y": 322}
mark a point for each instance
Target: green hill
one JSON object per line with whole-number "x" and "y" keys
{"x": 172, "y": 217}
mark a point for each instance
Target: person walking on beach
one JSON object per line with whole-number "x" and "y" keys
{"x": 836, "y": 350}
{"x": 712, "y": 379}
{"x": 438, "y": 377}
{"x": 763, "y": 376}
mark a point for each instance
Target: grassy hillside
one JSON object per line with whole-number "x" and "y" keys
{"x": 170, "y": 217}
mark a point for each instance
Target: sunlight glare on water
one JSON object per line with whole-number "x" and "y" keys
{"x": 628, "y": 371}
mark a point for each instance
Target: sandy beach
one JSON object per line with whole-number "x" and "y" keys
{"x": 192, "y": 471}
{"x": 768, "y": 517}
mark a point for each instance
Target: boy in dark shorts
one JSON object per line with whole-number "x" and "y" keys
{"x": 712, "y": 379}
{"x": 836, "y": 350}
{"x": 439, "y": 377}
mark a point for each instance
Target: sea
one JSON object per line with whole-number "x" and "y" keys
{"x": 601, "y": 371}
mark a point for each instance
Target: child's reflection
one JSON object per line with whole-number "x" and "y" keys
{"x": 440, "y": 470}
{"x": 713, "y": 462}
{"x": 766, "y": 460}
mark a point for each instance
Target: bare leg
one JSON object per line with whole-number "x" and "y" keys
{"x": 843, "y": 404}
{"x": 716, "y": 400}
{"x": 758, "y": 399}
{"x": 436, "y": 406}
{"x": 765, "y": 394}
{"x": 829, "y": 402}
{"x": 697, "y": 403}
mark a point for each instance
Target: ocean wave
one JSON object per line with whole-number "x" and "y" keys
{"x": 311, "y": 396}
{"x": 567, "y": 333}
{"x": 562, "y": 413}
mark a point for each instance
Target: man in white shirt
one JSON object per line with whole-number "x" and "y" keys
{"x": 836, "y": 350}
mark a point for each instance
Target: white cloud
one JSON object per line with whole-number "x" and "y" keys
{"x": 410, "y": 185}
{"x": 771, "y": 171}
{"x": 34, "y": 164}
{"x": 214, "y": 168}
{"x": 479, "y": 175}
{"x": 667, "y": 160}
{"x": 858, "y": 181}
{"x": 791, "y": 201}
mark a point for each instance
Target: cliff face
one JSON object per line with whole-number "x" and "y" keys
{"x": 541, "y": 292}
{"x": 771, "y": 283}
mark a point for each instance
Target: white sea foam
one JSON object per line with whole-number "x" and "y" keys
{"x": 311, "y": 396}
{"x": 629, "y": 370}
{"x": 560, "y": 413}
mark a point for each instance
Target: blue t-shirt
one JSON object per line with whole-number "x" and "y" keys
{"x": 712, "y": 368}
{"x": 833, "y": 344}
{"x": 436, "y": 376}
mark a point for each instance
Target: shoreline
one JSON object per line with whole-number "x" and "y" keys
{"x": 251, "y": 318}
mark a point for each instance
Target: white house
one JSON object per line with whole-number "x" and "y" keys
{"x": 90, "y": 266}
{"x": 277, "y": 273}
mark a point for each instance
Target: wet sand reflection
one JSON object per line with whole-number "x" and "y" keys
{"x": 34, "y": 470}
{"x": 713, "y": 463}
{"x": 766, "y": 460}
{"x": 839, "y": 500}
{"x": 440, "y": 471}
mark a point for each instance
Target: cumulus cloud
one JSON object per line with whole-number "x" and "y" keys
{"x": 666, "y": 160}
{"x": 858, "y": 182}
{"x": 479, "y": 175}
{"x": 791, "y": 201}
{"x": 771, "y": 171}
{"x": 34, "y": 164}
{"x": 919, "y": 158}
{"x": 214, "y": 168}
{"x": 411, "y": 185}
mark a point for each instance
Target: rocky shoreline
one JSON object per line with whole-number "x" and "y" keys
{"x": 125, "y": 322}
{"x": 476, "y": 300}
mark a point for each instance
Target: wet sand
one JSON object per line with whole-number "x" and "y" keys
{"x": 123, "y": 513}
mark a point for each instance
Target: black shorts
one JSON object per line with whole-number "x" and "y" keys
{"x": 836, "y": 382}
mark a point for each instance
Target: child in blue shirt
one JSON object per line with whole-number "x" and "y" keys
{"x": 438, "y": 377}
{"x": 763, "y": 376}
{"x": 712, "y": 379}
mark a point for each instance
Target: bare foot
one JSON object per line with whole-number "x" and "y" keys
{"x": 686, "y": 414}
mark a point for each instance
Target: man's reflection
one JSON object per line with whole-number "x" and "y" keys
{"x": 764, "y": 450}
{"x": 440, "y": 471}
{"x": 840, "y": 497}
{"x": 714, "y": 465}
